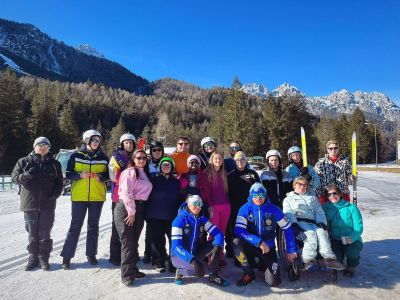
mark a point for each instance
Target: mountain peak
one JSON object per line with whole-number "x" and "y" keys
{"x": 285, "y": 89}
{"x": 89, "y": 50}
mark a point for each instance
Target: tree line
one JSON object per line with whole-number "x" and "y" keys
{"x": 61, "y": 111}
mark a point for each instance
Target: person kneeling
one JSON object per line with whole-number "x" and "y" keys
{"x": 188, "y": 249}
{"x": 255, "y": 232}
{"x": 305, "y": 213}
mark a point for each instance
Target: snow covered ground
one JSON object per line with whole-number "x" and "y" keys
{"x": 378, "y": 275}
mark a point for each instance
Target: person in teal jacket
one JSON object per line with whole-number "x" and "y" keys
{"x": 345, "y": 226}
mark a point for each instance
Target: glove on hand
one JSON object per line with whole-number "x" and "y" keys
{"x": 214, "y": 252}
{"x": 323, "y": 226}
{"x": 298, "y": 233}
{"x": 198, "y": 268}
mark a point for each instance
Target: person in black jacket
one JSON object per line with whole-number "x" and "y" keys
{"x": 239, "y": 182}
{"x": 40, "y": 178}
{"x": 161, "y": 209}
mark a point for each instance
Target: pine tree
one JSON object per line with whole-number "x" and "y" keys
{"x": 68, "y": 128}
{"x": 115, "y": 135}
{"x": 342, "y": 134}
{"x": 365, "y": 136}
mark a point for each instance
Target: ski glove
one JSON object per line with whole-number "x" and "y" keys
{"x": 304, "y": 173}
{"x": 298, "y": 233}
{"x": 323, "y": 226}
{"x": 197, "y": 267}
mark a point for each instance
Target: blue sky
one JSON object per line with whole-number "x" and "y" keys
{"x": 318, "y": 46}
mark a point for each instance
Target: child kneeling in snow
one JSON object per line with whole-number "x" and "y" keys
{"x": 306, "y": 215}
{"x": 189, "y": 247}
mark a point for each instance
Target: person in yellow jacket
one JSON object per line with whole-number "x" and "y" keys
{"x": 88, "y": 169}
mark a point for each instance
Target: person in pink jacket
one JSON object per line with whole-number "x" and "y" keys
{"x": 134, "y": 190}
{"x": 214, "y": 191}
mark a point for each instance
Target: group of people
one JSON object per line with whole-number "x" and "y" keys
{"x": 200, "y": 203}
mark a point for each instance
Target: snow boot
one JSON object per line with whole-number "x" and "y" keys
{"x": 215, "y": 278}
{"x": 33, "y": 262}
{"x": 333, "y": 264}
{"x": 178, "y": 278}
{"x": 92, "y": 260}
{"x": 44, "y": 263}
{"x": 246, "y": 279}
{"x": 349, "y": 272}
{"x": 66, "y": 263}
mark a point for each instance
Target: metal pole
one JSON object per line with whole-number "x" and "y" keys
{"x": 376, "y": 149}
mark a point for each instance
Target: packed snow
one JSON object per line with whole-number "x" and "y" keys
{"x": 378, "y": 275}
{"x": 9, "y": 62}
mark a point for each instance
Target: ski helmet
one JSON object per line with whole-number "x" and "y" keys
{"x": 170, "y": 160}
{"x": 273, "y": 152}
{"x": 87, "y": 135}
{"x": 206, "y": 140}
{"x": 293, "y": 149}
{"x": 156, "y": 144}
{"x": 257, "y": 188}
{"x": 127, "y": 136}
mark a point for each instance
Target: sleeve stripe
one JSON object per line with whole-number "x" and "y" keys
{"x": 176, "y": 231}
{"x": 241, "y": 219}
{"x": 241, "y": 226}
{"x": 176, "y": 238}
{"x": 208, "y": 225}
{"x": 283, "y": 223}
{"x": 211, "y": 228}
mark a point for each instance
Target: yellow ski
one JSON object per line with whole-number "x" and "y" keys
{"x": 304, "y": 147}
{"x": 354, "y": 166}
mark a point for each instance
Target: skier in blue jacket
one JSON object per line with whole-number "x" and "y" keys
{"x": 255, "y": 233}
{"x": 189, "y": 248}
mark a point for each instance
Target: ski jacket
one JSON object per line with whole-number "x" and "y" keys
{"x": 154, "y": 168}
{"x": 337, "y": 172}
{"x": 133, "y": 185}
{"x": 344, "y": 219}
{"x": 41, "y": 181}
{"x": 188, "y": 232}
{"x": 239, "y": 183}
{"x": 303, "y": 208}
{"x": 315, "y": 182}
{"x": 204, "y": 159}
{"x": 256, "y": 224}
{"x": 180, "y": 159}
{"x": 119, "y": 162}
{"x": 213, "y": 193}
{"x": 278, "y": 184}
{"x": 88, "y": 189}
{"x": 164, "y": 199}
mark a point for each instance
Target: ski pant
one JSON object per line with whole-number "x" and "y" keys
{"x": 317, "y": 238}
{"x": 268, "y": 262}
{"x": 147, "y": 241}
{"x": 158, "y": 230}
{"x": 230, "y": 229}
{"x": 38, "y": 224}
{"x": 78, "y": 212}
{"x": 221, "y": 216}
{"x": 350, "y": 251}
{"x": 129, "y": 237}
{"x": 115, "y": 243}
{"x": 185, "y": 268}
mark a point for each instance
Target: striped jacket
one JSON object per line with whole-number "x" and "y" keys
{"x": 187, "y": 233}
{"x": 278, "y": 184}
{"x": 256, "y": 224}
{"x": 88, "y": 189}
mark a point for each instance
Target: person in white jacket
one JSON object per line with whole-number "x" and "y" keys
{"x": 308, "y": 219}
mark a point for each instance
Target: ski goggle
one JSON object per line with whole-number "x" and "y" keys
{"x": 209, "y": 144}
{"x": 197, "y": 203}
{"x": 234, "y": 148}
{"x": 258, "y": 195}
{"x": 43, "y": 145}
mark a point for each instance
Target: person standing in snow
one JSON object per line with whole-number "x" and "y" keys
{"x": 181, "y": 155}
{"x": 229, "y": 162}
{"x": 40, "y": 178}
{"x": 336, "y": 169}
{"x": 134, "y": 191}
{"x": 189, "y": 181}
{"x": 119, "y": 162}
{"x": 88, "y": 169}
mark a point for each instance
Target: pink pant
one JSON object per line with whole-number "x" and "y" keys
{"x": 220, "y": 216}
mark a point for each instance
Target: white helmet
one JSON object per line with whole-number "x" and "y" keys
{"x": 87, "y": 135}
{"x": 293, "y": 149}
{"x": 206, "y": 140}
{"x": 273, "y": 152}
{"x": 127, "y": 136}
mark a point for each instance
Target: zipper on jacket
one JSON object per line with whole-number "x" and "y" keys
{"x": 259, "y": 222}
{"x": 90, "y": 171}
{"x": 194, "y": 235}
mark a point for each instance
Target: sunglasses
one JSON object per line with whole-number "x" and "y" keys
{"x": 234, "y": 148}
{"x": 209, "y": 144}
{"x": 156, "y": 150}
{"x": 333, "y": 148}
{"x": 141, "y": 157}
{"x": 259, "y": 195}
{"x": 197, "y": 203}
{"x": 181, "y": 144}
{"x": 42, "y": 145}
{"x": 332, "y": 194}
{"x": 166, "y": 165}
{"x": 95, "y": 141}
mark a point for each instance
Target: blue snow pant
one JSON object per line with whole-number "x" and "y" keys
{"x": 78, "y": 212}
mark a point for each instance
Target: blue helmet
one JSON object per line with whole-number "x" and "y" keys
{"x": 257, "y": 188}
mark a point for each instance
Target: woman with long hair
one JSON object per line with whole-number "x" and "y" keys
{"x": 214, "y": 191}
{"x": 134, "y": 190}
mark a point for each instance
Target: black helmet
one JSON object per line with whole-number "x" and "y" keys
{"x": 156, "y": 144}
